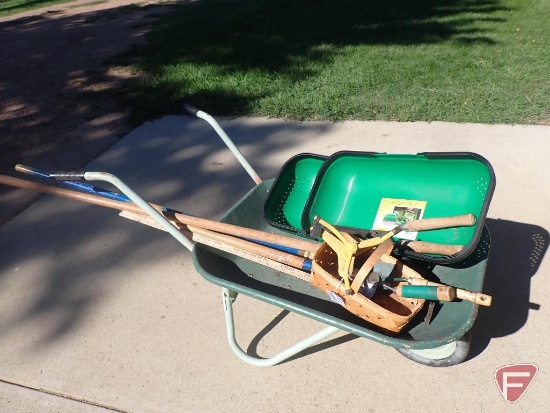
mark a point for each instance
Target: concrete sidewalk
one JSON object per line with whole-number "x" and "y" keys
{"x": 112, "y": 313}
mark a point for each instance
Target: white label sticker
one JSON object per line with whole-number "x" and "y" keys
{"x": 393, "y": 212}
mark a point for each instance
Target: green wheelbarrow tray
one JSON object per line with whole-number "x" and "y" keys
{"x": 450, "y": 322}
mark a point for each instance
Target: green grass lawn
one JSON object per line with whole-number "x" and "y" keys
{"x": 455, "y": 60}
{"x": 8, "y": 7}
{"x": 452, "y": 60}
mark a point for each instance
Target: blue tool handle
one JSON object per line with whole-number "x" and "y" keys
{"x": 59, "y": 178}
{"x": 67, "y": 180}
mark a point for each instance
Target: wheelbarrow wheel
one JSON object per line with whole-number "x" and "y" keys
{"x": 444, "y": 356}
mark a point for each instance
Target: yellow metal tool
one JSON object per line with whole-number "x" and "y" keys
{"x": 346, "y": 247}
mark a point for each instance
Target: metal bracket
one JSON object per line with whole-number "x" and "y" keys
{"x": 228, "y": 299}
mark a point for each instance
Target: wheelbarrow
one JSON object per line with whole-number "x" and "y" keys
{"x": 444, "y": 341}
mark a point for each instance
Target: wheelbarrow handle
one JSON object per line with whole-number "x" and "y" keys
{"x": 191, "y": 110}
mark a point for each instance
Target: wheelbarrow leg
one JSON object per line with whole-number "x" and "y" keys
{"x": 228, "y": 298}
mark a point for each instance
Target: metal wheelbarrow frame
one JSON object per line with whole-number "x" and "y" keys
{"x": 444, "y": 342}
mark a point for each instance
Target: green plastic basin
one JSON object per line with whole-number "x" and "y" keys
{"x": 287, "y": 198}
{"x": 351, "y": 186}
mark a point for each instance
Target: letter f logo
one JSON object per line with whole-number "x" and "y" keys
{"x": 514, "y": 379}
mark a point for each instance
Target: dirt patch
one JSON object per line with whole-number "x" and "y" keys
{"x": 57, "y": 107}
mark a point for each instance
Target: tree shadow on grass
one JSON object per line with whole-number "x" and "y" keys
{"x": 286, "y": 39}
{"x": 27, "y": 5}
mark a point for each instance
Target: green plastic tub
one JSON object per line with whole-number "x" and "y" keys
{"x": 365, "y": 189}
{"x": 287, "y": 197}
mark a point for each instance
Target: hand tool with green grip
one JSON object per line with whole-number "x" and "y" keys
{"x": 477, "y": 298}
{"x": 436, "y": 293}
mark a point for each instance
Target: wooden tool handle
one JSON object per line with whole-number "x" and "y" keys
{"x": 421, "y": 281}
{"x": 446, "y": 293}
{"x": 276, "y": 265}
{"x": 248, "y": 233}
{"x": 430, "y": 247}
{"x": 264, "y": 251}
{"x": 301, "y": 244}
{"x": 67, "y": 193}
{"x": 438, "y": 223}
{"x": 478, "y": 298}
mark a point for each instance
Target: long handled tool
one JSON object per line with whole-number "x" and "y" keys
{"x": 301, "y": 245}
{"x": 296, "y": 246}
{"x": 265, "y": 251}
{"x": 76, "y": 185}
{"x": 144, "y": 219}
{"x": 53, "y": 178}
